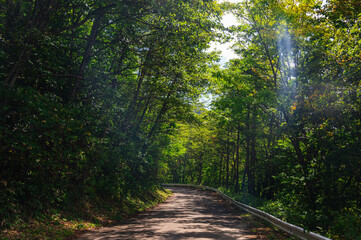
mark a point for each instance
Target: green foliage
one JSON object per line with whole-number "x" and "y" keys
{"x": 99, "y": 98}
{"x": 285, "y": 119}
{"x": 65, "y": 225}
{"x": 90, "y": 93}
{"x": 347, "y": 224}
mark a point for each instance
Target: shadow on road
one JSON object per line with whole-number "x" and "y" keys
{"x": 188, "y": 214}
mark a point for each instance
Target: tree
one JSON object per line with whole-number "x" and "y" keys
{"x": 90, "y": 92}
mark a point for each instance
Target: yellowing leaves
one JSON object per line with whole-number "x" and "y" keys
{"x": 329, "y": 134}
{"x": 293, "y": 107}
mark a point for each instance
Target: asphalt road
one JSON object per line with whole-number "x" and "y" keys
{"x": 187, "y": 214}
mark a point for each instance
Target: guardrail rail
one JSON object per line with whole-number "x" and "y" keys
{"x": 287, "y": 227}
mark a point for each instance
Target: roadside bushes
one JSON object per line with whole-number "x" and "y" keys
{"x": 44, "y": 150}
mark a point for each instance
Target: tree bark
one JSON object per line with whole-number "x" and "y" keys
{"x": 200, "y": 168}
{"x": 253, "y": 160}
{"x": 220, "y": 170}
{"x": 237, "y": 160}
{"x": 141, "y": 75}
{"x": 227, "y": 163}
{"x": 87, "y": 54}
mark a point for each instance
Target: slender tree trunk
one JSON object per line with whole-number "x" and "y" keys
{"x": 358, "y": 201}
{"x": 200, "y": 168}
{"x": 253, "y": 161}
{"x": 227, "y": 169}
{"x": 140, "y": 121}
{"x": 220, "y": 170}
{"x": 247, "y": 162}
{"x": 87, "y": 54}
{"x": 301, "y": 160}
{"x": 243, "y": 179}
{"x": 133, "y": 105}
{"x": 237, "y": 161}
{"x": 161, "y": 112}
{"x": 183, "y": 171}
{"x": 233, "y": 172}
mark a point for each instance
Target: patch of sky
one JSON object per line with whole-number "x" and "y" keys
{"x": 225, "y": 49}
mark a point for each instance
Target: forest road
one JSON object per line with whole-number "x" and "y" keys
{"x": 187, "y": 214}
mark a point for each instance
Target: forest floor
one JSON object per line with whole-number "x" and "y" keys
{"x": 86, "y": 216}
{"x": 190, "y": 214}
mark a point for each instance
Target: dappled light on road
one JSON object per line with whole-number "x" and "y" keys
{"x": 188, "y": 214}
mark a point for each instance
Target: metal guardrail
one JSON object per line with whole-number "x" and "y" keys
{"x": 287, "y": 227}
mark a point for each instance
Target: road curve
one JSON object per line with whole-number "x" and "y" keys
{"x": 187, "y": 214}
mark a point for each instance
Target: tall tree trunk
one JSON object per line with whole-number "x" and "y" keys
{"x": 247, "y": 171}
{"x": 87, "y": 54}
{"x": 358, "y": 194}
{"x": 131, "y": 112}
{"x": 237, "y": 161}
{"x": 304, "y": 165}
{"x": 141, "y": 118}
{"x": 220, "y": 170}
{"x": 200, "y": 168}
{"x": 183, "y": 171}
{"x": 227, "y": 169}
{"x": 253, "y": 160}
{"x": 233, "y": 169}
{"x": 161, "y": 112}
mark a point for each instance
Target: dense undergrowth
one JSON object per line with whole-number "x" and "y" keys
{"x": 69, "y": 222}
{"x": 344, "y": 225}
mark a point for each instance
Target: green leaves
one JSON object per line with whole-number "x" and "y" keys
{"x": 293, "y": 92}
{"x": 91, "y": 92}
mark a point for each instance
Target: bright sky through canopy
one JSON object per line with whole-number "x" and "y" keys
{"x": 226, "y": 52}
{"x": 228, "y": 20}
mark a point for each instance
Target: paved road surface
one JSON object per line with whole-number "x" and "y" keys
{"x": 187, "y": 214}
